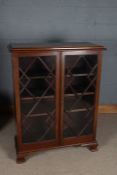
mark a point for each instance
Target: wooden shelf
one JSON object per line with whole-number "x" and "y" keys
{"x": 52, "y": 96}
{"x": 38, "y": 115}
{"x": 67, "y": 75}
{"x": 79, "y": 75}
{"x": 70, "y": 111}
{"x": 41, "y": 77}
{"x": 80, "y": 110}
{"x": 72, "y": 95}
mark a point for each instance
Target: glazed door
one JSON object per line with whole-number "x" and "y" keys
{"x": 37, "y": 97}
{"x": 79, "y": 87}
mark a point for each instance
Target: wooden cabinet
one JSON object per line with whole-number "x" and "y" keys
{"x": 56, "y": 95}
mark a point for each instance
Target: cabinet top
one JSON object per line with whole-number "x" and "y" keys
{"x": 56, "y": 46}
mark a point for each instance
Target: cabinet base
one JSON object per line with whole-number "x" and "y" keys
{"x": 20, "y": 159}
{"x": 93, "y": 148}
{"x": 20, "y": 156}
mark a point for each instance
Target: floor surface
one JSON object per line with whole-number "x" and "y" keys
{"x": 64, "y": 161}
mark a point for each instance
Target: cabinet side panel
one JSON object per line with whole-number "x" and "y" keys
{"x": 15, "y": 68}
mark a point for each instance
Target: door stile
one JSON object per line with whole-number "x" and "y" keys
{"x": 62, "y": 73}
{"x": 58, "y": 107}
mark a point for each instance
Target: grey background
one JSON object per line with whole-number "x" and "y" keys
{"x": 67, "y": 20}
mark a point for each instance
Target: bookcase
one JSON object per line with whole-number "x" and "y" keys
{"x": 56, "y": 89}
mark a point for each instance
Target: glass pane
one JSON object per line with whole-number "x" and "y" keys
{"x": 79, "y": 94}
{"x": 37, "y": 91}
{"x": 38, "y": 129}
{"x": 77, "y": 123}
{"x": 74, "y": 102}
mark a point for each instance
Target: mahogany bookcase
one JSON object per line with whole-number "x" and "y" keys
{"x": 56, "y": 95}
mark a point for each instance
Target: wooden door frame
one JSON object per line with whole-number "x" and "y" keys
{"x": 90, "y": 137}
{"x": 21, "y": 147}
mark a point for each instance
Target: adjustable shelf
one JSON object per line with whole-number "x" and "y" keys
{"x": 79, "y": 110}
{"x": 74, "y": 75}
{"x": 51, "y": 96}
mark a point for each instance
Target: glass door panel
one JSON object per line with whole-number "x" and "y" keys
{"x": 79, "y": 94}
{"x": 38, "y": 98}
